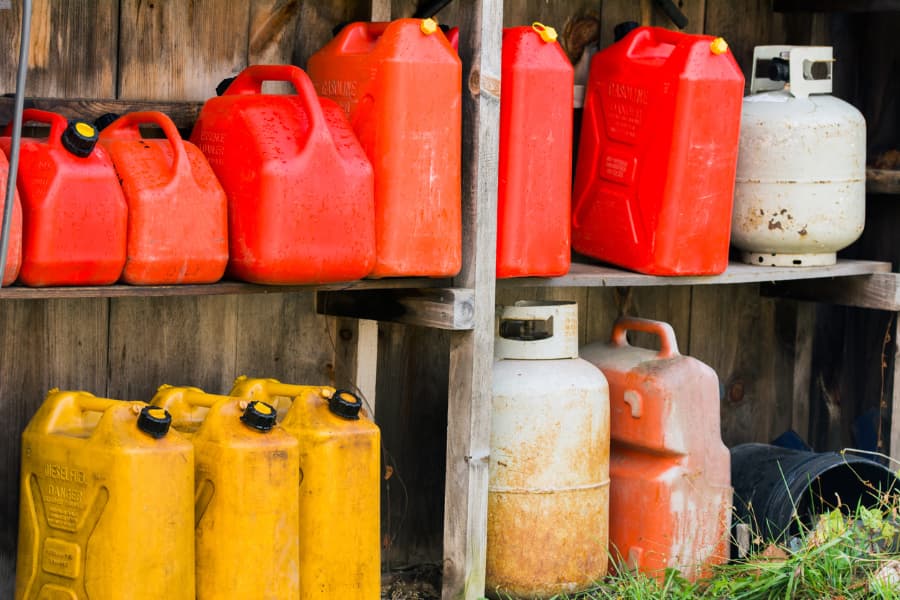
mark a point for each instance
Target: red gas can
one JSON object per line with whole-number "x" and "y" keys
{"x": 177, "y": 219}
{"x": 534, "y": 195}
{"x": 14, "y": 249}
{"x": 299, "y": 187}
{"x": 400, "y": 83}
{"x": 670, "y": 474}
{"x": 657, "y": 154}
{"x": 74, "y": 213}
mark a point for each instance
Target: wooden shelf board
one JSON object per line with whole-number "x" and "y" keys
{"x": 214, "y": 289}
{"x": 882, "y": 181}
{"x": 589, "y": 275}
{"x": 183, "y": 114}
{"x": 837, "y": 5}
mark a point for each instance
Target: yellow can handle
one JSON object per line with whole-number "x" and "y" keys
{"x": 264, "y": 389}
{"x": 547, "y": 33}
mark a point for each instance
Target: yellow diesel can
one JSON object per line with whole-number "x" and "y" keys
{"x": 340, "y": 465}
{"x": 246, "y": 503}
{"x": 106, "y": 505}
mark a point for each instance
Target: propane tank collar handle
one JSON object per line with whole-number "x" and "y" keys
{"x": 664, "y": 331}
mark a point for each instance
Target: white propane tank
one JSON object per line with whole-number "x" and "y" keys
{"x": 800, "y": 190}
{"x": 548, "y": 491}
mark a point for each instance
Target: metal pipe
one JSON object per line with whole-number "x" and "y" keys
{"x": 16, "y": 135}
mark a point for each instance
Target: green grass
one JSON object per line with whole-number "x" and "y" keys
{"x": 841, "y": 557}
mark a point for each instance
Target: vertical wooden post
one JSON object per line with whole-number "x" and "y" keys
{"x": 471, "y": 352}
{"x": 894, "y": 436}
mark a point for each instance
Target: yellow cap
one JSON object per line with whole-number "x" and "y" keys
{"x": 348, "y": 397}
{"x": 548, "y": 34}
{"x": 718, "y": 46}
{"x": 263, "y": 408}
{"x": 157, "y": 413}
{"x": 84, "y": 129}
{"x": 428, "y": 26}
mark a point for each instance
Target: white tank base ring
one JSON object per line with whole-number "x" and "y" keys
{"x": 771, "y": 259}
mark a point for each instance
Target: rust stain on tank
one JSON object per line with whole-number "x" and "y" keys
{"x": 773, "y": 224}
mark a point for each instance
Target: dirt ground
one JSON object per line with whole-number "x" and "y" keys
{"x": 414, "y": 583}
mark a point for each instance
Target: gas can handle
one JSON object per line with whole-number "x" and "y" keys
{"x": 62, "y": 403}
{"x": 127, "y": 127}
{"x": 57, "y": 123}
{"x": 664, "y": 331}
{"x": 250, "y": 81}
{"x": 264, "y": 389}
{"x": 168, "y": 396}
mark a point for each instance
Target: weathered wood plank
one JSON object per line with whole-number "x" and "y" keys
{"x": 471, "y": 352}
{"x": 180, "y": 50}
{"x": 882, "y": 181}
{"x": 443, "y": 308}
{"x": 356, "y": 357}
{"x": 179, "y": 341}
{"x": 281, "y": 336}
{"x": 592, "y": 275}
{"x": 837, "y": 5}
{"x": 213, "y": 289}
{"x": 879, "y": 290}
{"x": 802, "y": 366}
{"x": 894, "y": 433}
{"x": 72, "y": 51}
{"x": 183, "y": 114}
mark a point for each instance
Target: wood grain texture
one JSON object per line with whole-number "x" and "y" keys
{"x": 411, "y": 409}
{"x": 443, "y": 308}
{"x": 72, "y": 51}
{"x": 183, "y": 114}
{"x": 180, "y": 50}
{"x": 179, "y": 341}
{"x": 281, "y": 336}
{"x": 469, "y": 401}
{"x": 880, "y": 291}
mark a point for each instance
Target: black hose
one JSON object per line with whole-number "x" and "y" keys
{"x": 673, "y": 12}
{"x": 430, "y": 9}
{"x": 16, "y": 135}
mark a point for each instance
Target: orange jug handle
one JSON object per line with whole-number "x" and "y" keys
{"x": 357, "y": 38}
{"x": 250, "y": 81}
{"x": 664, "y": 331}
{"x": 127, "y": 127}
{"x": 57, "y": 123}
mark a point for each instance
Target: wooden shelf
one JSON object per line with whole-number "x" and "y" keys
{"x": 837, "y": 5}
{"x": 588, "y": 275}
{"x": 183, "y": 114}
{"x": 882, "y": 181}
{"x": 214, "y": 289}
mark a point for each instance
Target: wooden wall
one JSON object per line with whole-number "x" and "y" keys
{"x": 163, "y": 49}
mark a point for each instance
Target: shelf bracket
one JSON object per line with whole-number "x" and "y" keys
{"x": 442, "y": 308}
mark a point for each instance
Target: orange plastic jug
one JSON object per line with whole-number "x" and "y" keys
{"x": 658, "y": 152}
{"x": 106, "y": 507}
{"x": 14, "y": 250}
{"x": 74, "y": 213}
{"x": 299, "y": 187}
{"x": 177, "y": 219}
{"x": 247, "y": 494}
{"x": 535, "y": 172}
{"x": 400, "y": 83}
{"x": 340, "y": 487}
{"x": 670, "y": 474}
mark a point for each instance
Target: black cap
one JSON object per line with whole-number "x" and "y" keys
{"x": 79, "y": 138}
{"x": 105, "y": 120}
{"x": 223, "y": 85}
{"x": 779, "y": 69}
{"x": 154, "y": 421}
{"x": 259, "y": 416}
{"x": 623, "y": 29}
{"x": 345, "y": 404}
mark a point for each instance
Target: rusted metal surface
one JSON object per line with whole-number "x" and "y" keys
{"x": 670, "y": 490}
{"x": 549, "y": 469}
